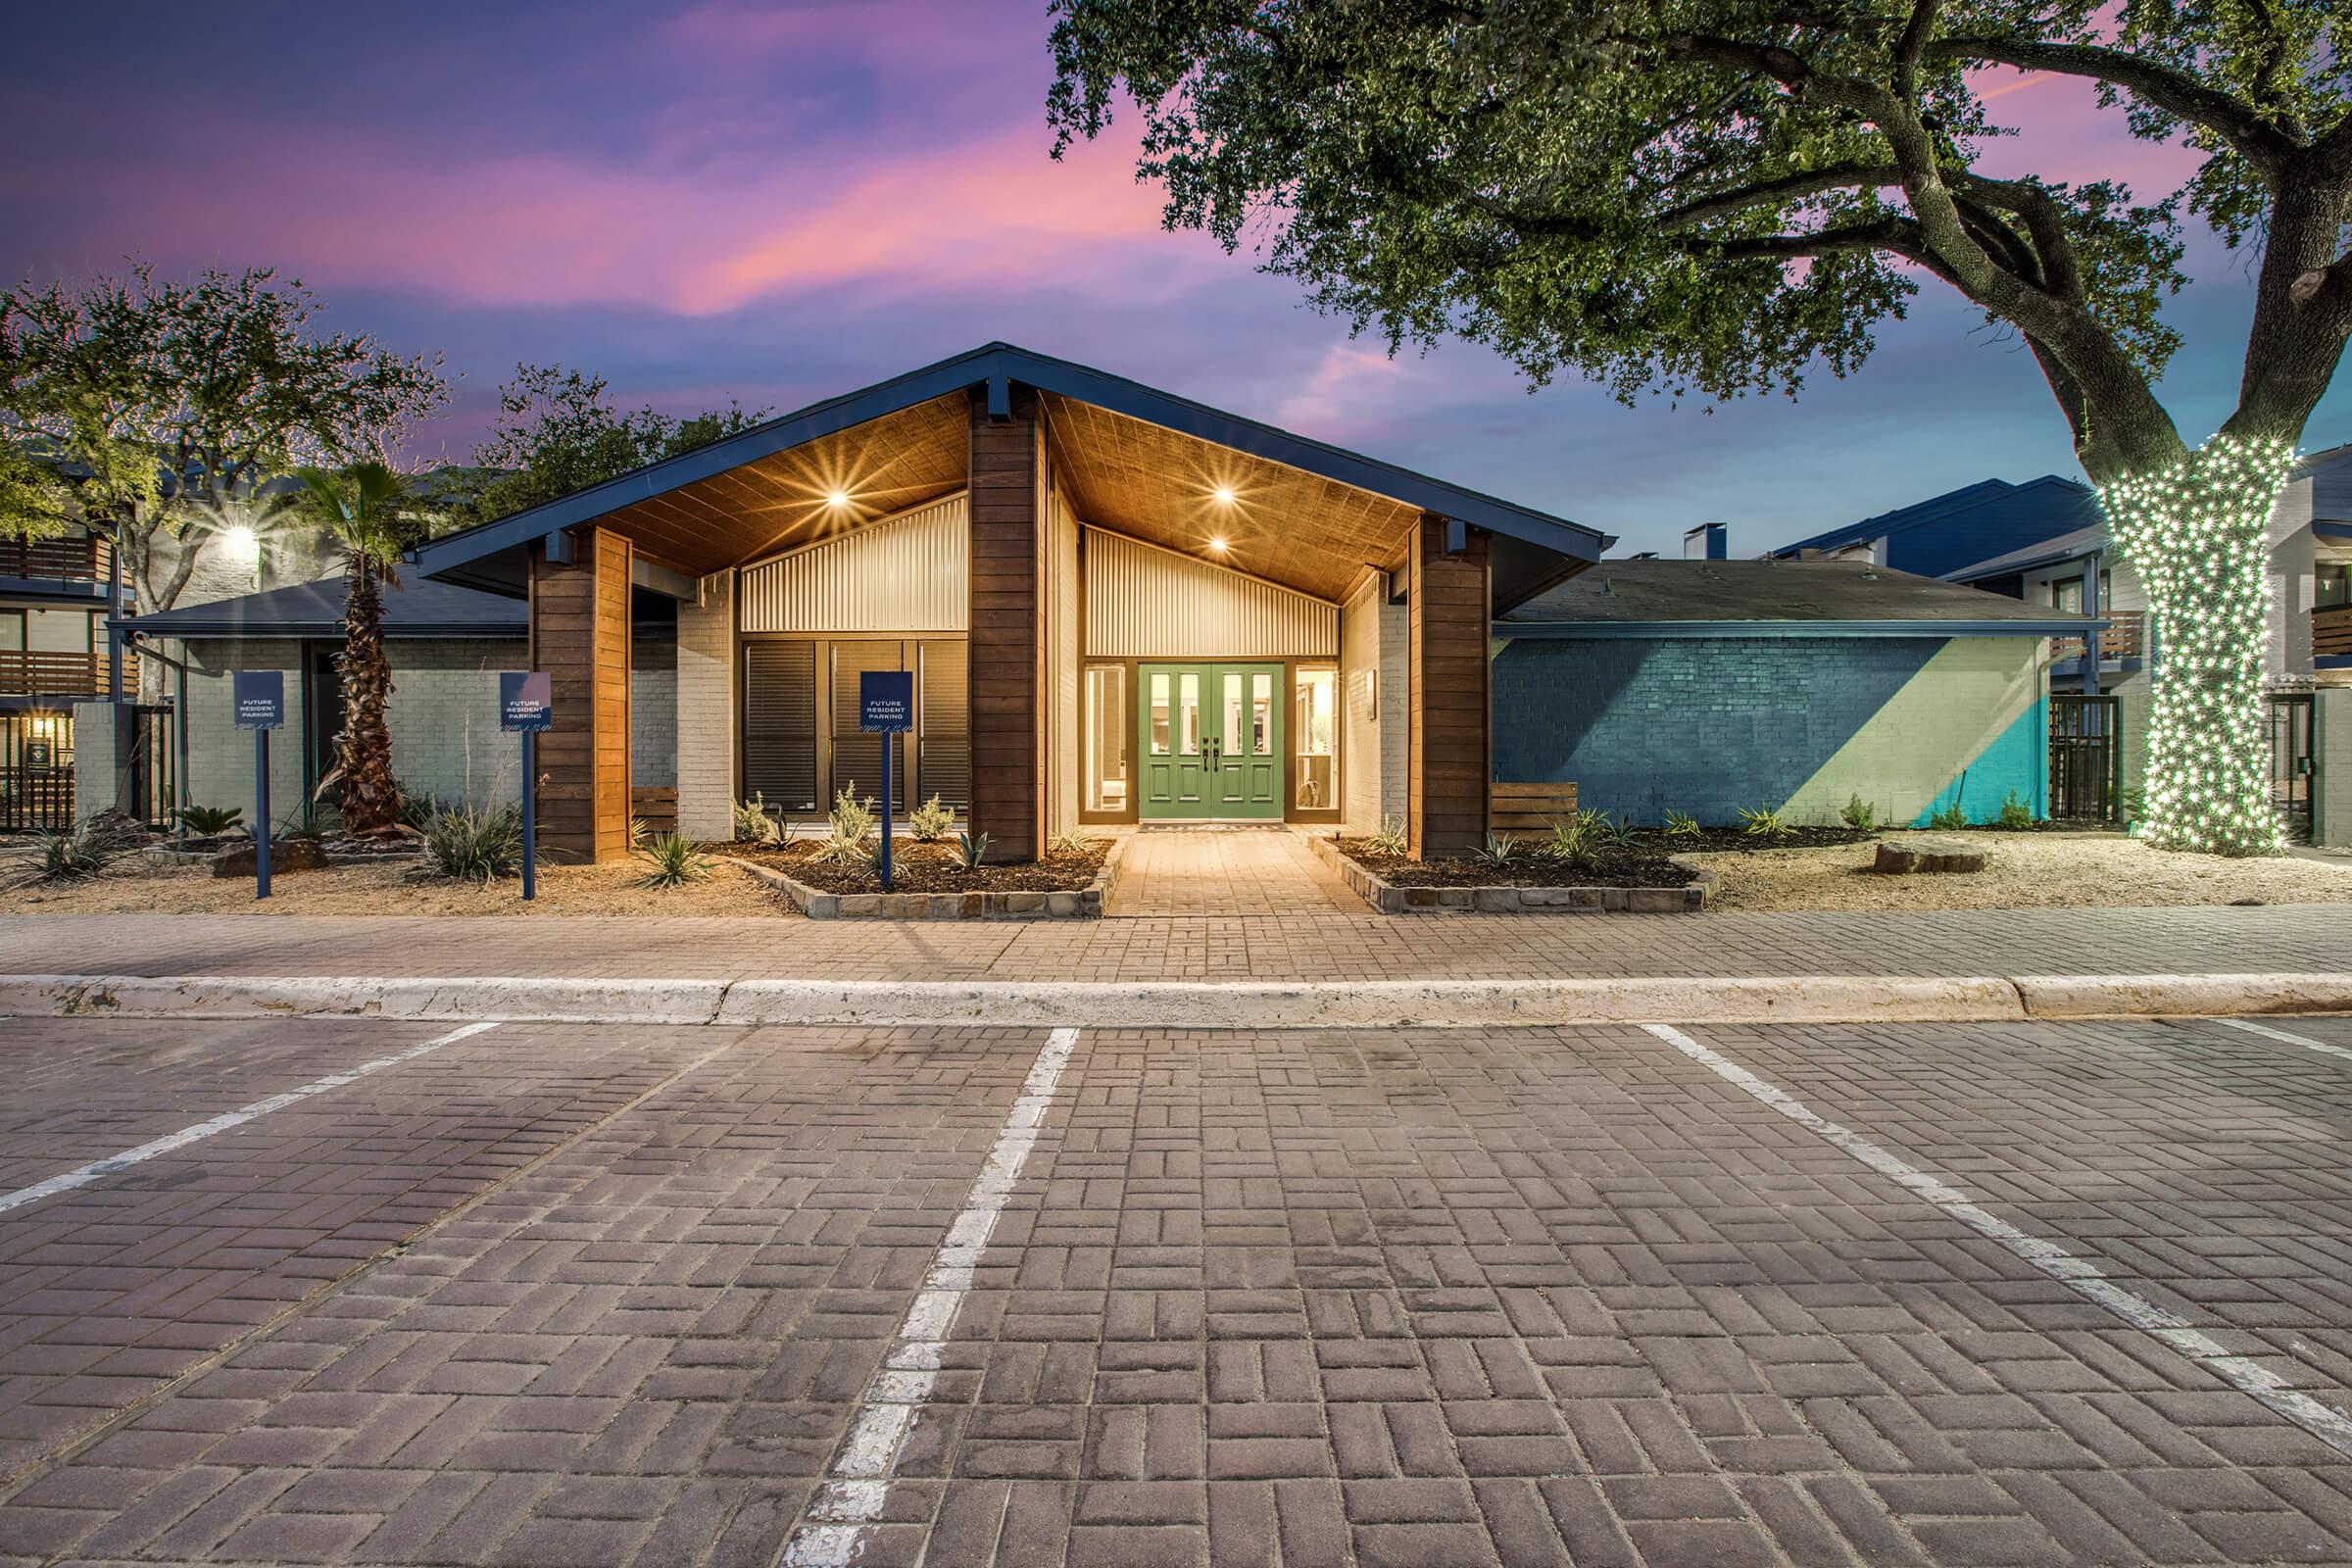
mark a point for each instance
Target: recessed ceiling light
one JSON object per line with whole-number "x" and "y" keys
{"x": 1217, "y": 544}
{"x": 837, "y": 498}
{"x": 1224, "y": 494}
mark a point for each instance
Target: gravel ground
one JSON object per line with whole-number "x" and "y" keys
{"x": 2022, "y": 871}
{"x": 400, "y": 889}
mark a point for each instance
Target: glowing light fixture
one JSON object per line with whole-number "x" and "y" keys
{"x": 1217, "y": 544}
{"x": 1223, "y": 495}
{"x": 241, "y": 543}
{"x": 837, "y": 498}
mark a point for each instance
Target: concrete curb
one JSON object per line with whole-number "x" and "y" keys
{"x": 1183, "y": 1005}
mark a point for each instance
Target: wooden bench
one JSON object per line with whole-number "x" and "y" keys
{"x": 656, "y": 807}
{"x": 1529, "y": 807}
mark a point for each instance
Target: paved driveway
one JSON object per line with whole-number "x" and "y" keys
{"x": 579, "y": 1296}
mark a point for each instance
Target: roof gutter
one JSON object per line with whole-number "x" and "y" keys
{"x": 2063, "y": 626}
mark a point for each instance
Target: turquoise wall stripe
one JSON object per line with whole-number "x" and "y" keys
{"x": 2017, "y": 762}
{"x": 1960, "y": 713}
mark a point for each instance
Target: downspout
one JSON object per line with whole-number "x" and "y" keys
{"x": 2091, "y": 608}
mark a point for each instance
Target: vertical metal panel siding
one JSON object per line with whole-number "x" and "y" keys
{"x": 904, "y": 574}
{"x": 1148, "y": 603}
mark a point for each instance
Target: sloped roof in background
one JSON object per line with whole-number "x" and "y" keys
{"x": 1732, "y": 597}
{"x": 416, "y": 607}
{"x": 1945, "y": 532}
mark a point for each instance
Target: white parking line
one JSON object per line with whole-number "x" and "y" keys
{"x": 2082, "y": 1275}
{"x": 2265, "y": 1030}
{"x": 83, "y": 1175}
{"x": 858, "y": 1483}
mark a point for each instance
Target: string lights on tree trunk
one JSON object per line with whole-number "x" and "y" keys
{"x": 2197, "y": 534}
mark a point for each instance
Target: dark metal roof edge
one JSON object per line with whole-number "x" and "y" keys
{"x": 2057, "y": 627}
{"x": 438, "y": 557}
{"x": 181, "y": 631}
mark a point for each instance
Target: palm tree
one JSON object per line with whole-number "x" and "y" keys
{"x": 366, "y": 510}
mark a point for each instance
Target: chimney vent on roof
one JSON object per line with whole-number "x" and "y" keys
{"x": 1709, "y": 541}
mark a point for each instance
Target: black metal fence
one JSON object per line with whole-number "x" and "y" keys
{"x": 2086, "y": 758}
{"x": 2294, "y": 763}
{"x": 37, "y": 754}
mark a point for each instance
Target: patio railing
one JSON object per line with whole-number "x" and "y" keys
{"x": 2124, "y": 636}
{"x": 35, "y": 672}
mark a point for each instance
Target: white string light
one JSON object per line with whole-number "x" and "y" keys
{"x": 2197, "y": 535}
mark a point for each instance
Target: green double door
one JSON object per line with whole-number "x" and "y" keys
{"x": 1210, "y": 742}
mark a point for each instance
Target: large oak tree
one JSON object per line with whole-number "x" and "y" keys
{"x": 1712, "y": 197}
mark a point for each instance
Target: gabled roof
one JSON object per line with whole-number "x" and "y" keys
{"x": 1947, "y": 531}
{"x": 416, "y": 607}
{"x": 2048, "y": 553}
{"x": 1667, "y": 598}
{"x": 487, "y": 554}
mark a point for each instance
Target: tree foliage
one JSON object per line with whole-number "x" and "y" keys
{"x": 558, "y": 434}
{"x": 1712, "y": 197}
{"x": 169, "y": 403}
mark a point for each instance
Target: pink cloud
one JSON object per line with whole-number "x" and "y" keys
{"x": 545, "y": 231}
{"x": 1351, "y": 389}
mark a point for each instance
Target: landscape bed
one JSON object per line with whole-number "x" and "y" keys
{"x": 931, "y": 882}
{"x": 1613, "y": 881}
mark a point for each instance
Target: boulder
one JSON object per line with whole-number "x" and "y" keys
{"x": 1953, "y": 856}
{"x": 285, "y": 855}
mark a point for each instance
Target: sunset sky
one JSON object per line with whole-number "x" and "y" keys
{"x": 776, "y": 202}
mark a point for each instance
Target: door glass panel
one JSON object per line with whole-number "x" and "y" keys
{"x": 1188, "y": 707}
{"x": 1314, "y": 721}
{"x": 1233, "y": 714}
{"x": 1106, "y": 737}
{"x": 1159, "y": 713}
{"x": 1261, "y": 713}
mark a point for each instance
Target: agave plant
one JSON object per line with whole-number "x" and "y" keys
{"x": 1681, "y": 825}
{"x": 971, "y": 847}
{"x": 1392, "y": 839}
{"x": 58, "y": 859}
{"x": 1570, "y": 841}
{"x": 672, "y": 861}
{"x": 1499, "y": 851}
{"x": 473, "y": 845}
{"x": 1761, "y": 823}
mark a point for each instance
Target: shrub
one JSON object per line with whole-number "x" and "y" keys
{"x": 58, "y": 859}
{"x": 672, "y": 861}
{"x": 211, "y": 821}
{"x": 1617, "y": 831}
{"x": 1499, "y": 850}
{"x": 309, "y": 820}
{"x": 1952, "y": 816}
{"x": 1390, "y": 839}
{"x": 1762, "y": 823}
{"x": 473, "y": 845}
{"x": 2016, "y": 816}
{"x": 418, "y": 807}
{"x": 1859, "y": 812}
{"x": 853, "y": 839}
{"x": 1571, "y": 841}
{"x": 1681, "y": 825}
{"x": 930, "y": 822}
{"x": 971, "y": 847}
{"x": 752, "y": 824}
{"x": 1073, "y": 844}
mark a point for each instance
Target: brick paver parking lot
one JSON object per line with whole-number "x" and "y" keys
{"x": 1448, "y": 1298}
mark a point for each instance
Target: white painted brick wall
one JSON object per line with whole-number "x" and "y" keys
{"x": 705, "y": 708}
{"x": 654, "y": 710}
{"x": 1395, "y": 626}
{"x": 221, "y": 755}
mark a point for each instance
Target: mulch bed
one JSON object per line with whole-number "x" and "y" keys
{"x": 1726, "y": 840}
{"x": 1609, "y": 869}
{"x": 922, "y": 868}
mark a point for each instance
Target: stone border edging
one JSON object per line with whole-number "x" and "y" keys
{"x": 1377, "y": 1003}
{"x": 1389, "y": 898}
{"x": 1075, "y": 904}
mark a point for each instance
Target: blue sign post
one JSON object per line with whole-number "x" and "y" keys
{"x": 886, "y": 706}
{"x": 258, "y": 697}
{"x": 526, "y": 704}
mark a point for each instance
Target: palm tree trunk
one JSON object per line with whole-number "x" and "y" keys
{"x": 370, "y": 802}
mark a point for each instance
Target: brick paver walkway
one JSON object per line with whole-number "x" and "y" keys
{"x": 1291, "y": 947}
{"x": 1254, "y": 871}
{"x": 1442, "y": 1297}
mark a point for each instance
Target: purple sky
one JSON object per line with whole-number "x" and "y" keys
{"x": 780, "y": 202}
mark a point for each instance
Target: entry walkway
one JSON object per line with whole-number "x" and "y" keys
{"x": 2276, "y": 938}
{"x": 1209, "y": 871}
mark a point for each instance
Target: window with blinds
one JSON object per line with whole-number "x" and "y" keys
{"x": 858, "y": 755}
{"x": 779, "y": 724}
{"x": 944, "y": 726}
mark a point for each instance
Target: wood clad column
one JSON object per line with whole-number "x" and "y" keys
{"x": 1448, "y": 744}
{"x": 580, "y": 636}
{"x": 1007, "y": 645}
